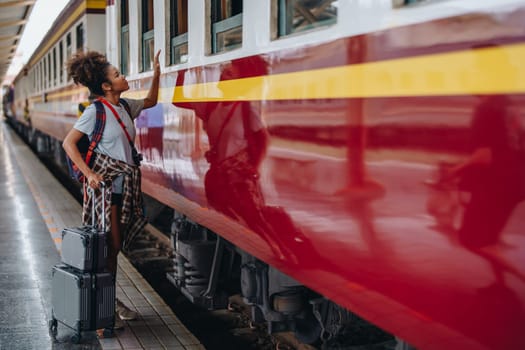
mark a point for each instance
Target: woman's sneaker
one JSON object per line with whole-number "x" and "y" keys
{"x": 119, "y": 324}
{"x": 124, "y": 312}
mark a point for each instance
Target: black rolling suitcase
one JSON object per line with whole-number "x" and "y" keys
{"x": 83, "y": 300}
{"x": 85, "y": 247}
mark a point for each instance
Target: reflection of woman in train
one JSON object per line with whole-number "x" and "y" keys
{"x": 494, "y": 174}
{"x": 238, "y": 141}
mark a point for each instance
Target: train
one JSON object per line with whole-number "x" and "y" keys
{"x": 327, "y": 160}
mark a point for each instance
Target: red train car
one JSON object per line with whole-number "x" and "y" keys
{"x": 327, "y": 159}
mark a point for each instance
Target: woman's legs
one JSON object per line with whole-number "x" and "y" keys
{"x": 114, "y": 239}
{"x": 114, "y": 246}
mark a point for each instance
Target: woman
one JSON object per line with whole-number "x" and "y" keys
{"x": 114, "y": 157}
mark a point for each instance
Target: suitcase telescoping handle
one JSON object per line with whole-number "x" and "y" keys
{"x": 93, "y": 204}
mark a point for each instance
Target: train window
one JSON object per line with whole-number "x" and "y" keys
{"x": 300, "y": 15}
{"x": 41, "y": 75}
{"x": 34, "y": 74}
{"x": 69, "y": 50}
{"x": 401, "y": 3}
{"x": 44, "y": 73}
{"x": 178, "y": 31}
{"x": 124, "y": 37}
{"x": 49, "y": 71}
{"x": 55, "y": 66}
{"x": 80, "y": 37}
{"x": 33, "y": 79}
{"x": 226, "y": 25}
{"x": 148, "y": 42}
{"x": 60, "y": 62}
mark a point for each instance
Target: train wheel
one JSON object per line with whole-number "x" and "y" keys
{"x": 75, "y": 338}
{"x": 307, "y": 329}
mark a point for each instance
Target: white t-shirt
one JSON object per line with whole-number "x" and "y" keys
{"x": 114, "y": 142}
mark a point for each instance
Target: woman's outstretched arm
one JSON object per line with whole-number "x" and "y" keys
{"x": 153, "y": 93}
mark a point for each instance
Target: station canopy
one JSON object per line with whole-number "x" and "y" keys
{"x": 14, "y": 15}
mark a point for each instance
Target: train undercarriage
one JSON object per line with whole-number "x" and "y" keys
{"x": 207, "y": 269}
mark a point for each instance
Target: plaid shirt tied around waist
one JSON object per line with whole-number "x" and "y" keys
{"x": 132, "y": 215}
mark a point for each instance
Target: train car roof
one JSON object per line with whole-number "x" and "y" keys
{"x": 69, "y": 15}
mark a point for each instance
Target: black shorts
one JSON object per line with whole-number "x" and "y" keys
{"x": 116, "y": 199}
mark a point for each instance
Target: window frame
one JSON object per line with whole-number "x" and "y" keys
{"x": 79, "y": 33}
{"x": 147, "y": 36}
{"x": 176, "y": 42}
{"x": 69, "y": 45}
{"x": 124, "y": 37}
{"x": 41, "y": 75}
{"x": 219, "y": 25}
{"x": 49, "y": 73}
{"x": 177, "y": 38}
{"x": 223, "y": 26}
{"x": 54, "y": 64}
{"x": 61, "y": 62}
{"x": 282, "y": 22}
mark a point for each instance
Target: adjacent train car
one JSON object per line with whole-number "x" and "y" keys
{"x": 46, "y": 100}
{"x": 325, "y": 158}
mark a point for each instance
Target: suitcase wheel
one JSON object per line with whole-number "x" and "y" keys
{"x": 75, "y": 338}
{"x": 108, "y": 332}
{"x": 53, "y": 325}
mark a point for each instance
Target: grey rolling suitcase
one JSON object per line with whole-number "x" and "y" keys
{"x": 82, "y": 301}
{"x": 85, "y": 247}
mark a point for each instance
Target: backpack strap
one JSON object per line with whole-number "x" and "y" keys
{"x": 119, "y": 120}
{"x": 86, "y": 146}
{"x": 100, "y": 123}
{"x": 125, "y": 103}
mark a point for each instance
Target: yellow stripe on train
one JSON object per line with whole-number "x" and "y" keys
{"x": 481, "y": 71}
{"x": 96, "y": 4}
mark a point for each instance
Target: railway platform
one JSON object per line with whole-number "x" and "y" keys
{"x": 34, "y": 207}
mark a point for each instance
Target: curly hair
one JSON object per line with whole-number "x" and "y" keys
{"x": 89, "y": 69}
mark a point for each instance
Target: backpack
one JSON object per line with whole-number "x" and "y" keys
{"x": 86, "y": 146}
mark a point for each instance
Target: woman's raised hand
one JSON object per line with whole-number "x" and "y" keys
{"x": 156, "y": 64}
